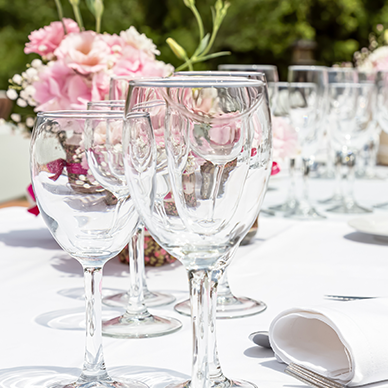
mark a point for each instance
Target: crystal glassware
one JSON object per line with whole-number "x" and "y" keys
{"x": 103, "y": 146}
{"x": 308, "y": 107}
{"x": 228, "y": 305}
{"x": 199, "y": 186}
{"x": 121, "y": 299}
{"x": 88, "y": 222}
{"x": 282, "y": 110}
{"x": 271, "y": 75}
{"x": 118, "y": 87}
{"x": 350, "y": 115}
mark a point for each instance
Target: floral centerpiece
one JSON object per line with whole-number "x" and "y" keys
{"x": 75, "y": 67}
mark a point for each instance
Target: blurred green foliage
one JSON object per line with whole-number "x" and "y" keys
{"x": 255, "y": 31}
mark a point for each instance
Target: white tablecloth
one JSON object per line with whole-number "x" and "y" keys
{"x": 289, "y": 263}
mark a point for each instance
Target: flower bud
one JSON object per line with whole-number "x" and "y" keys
{"x": 177, "y": 49}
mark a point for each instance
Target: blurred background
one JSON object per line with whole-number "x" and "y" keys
{"x": 279, "y": 32}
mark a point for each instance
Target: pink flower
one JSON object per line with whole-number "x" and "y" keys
{"x": 45, "y": 40}
{"x": 59, "y": 87}
{"x": 285, "y": 138}
{"x": 86, "y": 52}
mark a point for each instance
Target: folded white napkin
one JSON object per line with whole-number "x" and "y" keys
{"x": 345, "y": 341}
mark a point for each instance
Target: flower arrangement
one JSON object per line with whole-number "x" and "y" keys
{"x": 75, "y": 64}
{"x": 375, "y": 56}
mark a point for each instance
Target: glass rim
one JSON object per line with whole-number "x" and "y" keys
{"x": 251, "y": 66}
{"x": 199, "y": 82}
{"x": 307, "y": 67}
{"x": 221, "y": 73}
{"x": 106, "y": 102}
{"x": 86, "y": 114}
{"x": 342, "y": 69}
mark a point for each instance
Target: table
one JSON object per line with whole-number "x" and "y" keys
{"x": 289, "y": 263}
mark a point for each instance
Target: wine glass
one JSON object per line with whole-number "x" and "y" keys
{"x": 104, "y": 154}
{"x": 228, "y": 305}
{"x": 370, "y": 148}
{"x": 86, "y": 220}
{"x": 382, "y": 110}
{"x": 282, "y": 112}
{"x": 121, "y": 299}
{"x": 271, "y": 75}
{"x": 350, "y": 117}
{"x": 199, "y": 188}
{"x": 118, "y": 87}
{"x": 308, "y": 107}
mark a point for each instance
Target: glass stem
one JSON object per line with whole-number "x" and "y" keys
{"x": 306, "y": 175}
{"x": 350, "y": 161}
{"x": 217, "y": 377}
{"x": 201, "y": 319}
{"x": 94, "y": 365}
{"x": 223, "y": 286}
{"x": 338, "y": 176}
{"x": 136, "y": 304}
{"x": 292, "y": 193}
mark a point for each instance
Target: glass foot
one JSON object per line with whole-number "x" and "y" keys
{"x": 224, "y": 383}
{"x": 139, "y": 326}
{"x": 333, "y": 200}
{"x": 304, "y": 212}
{"x": 228, "y": 307}
{"x": 349, "y": 208}
{"x": 112, "y": 383}
{"x": 285, "y": 207}
{"x": 151, "y": 299}
{"x": 381, "y": 206}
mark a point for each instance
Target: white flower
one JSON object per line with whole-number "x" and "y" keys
{"x": 377, "y": 59}
{"x": 36, "y": 63}
{"x": 30, "y": 122}
{"x": 140, "y": 41}
{"x": 31, "y": 73}
{"x": 22, "y": 103}
{"x": 16, "y": 117}
{"x": 12, "y": 94}
{"x": 17, "y": 78}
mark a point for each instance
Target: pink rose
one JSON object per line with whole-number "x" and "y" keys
{"x": 285, "y": 138}
{"x": 86, "y": 52}
{"x": 59, "y": 87}
{"x": 45, "y": 40}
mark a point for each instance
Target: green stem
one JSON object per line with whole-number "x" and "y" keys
{"x": 98, "y": 25}
{"x": 199, "y": 21}
{"x": 60, "y": 14}
{"x": 211, "y": 40}
{"x": 78, "y": 17}
{"x": 189, "y": 63}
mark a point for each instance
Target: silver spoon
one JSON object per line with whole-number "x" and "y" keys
{"x": 261, "y": 338}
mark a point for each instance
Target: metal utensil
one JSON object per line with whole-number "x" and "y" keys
{"x": 311, "y": 378}
{"x": 346, "y": 298}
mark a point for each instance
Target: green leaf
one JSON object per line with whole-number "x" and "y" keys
{"x": 203, "y": 44}
{"x": 90, "y": 4}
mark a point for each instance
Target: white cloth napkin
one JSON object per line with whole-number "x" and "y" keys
{"x": 345, "y": 341}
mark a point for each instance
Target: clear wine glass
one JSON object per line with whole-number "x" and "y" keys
{"x": 118, "y": 87}
{"x": 308, "y": 107}
{"x": 121, "y": 299}
{"x": 228, "y": 305}
{"x": 271, "y": 75}
{"x": 103, "y": 148}
{"x": 350, "y": 117}
{"x": 86, "y": 220}
{"x": 370, "y": 148}
{"x": 282, "y": 111}
{"x": 382, "y": 111}
{"x": 199, "y": 188}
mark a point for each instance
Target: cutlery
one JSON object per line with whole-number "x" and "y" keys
{"x": 348, "y": 297}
